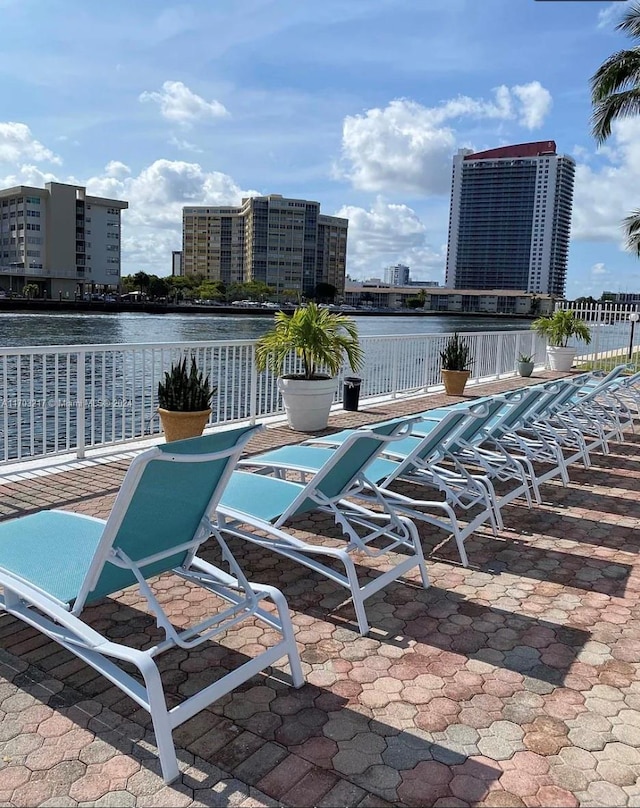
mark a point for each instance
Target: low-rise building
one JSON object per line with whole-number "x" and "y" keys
{"x": 450, "y": 301}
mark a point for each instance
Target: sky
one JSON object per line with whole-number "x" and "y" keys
{"x": 359, "y": 105}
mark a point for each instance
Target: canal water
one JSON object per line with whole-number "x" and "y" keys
{"x": 19, "y": 330}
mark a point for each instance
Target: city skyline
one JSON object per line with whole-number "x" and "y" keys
{"x": 360, "y": 106}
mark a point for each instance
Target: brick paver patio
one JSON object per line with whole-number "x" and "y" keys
{"x": 513, "y": 682}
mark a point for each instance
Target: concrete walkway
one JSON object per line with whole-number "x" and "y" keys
{"x": 513, "y": 682}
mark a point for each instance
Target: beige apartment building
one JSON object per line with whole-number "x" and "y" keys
{"x": 286, "y": 243}
{"x": 59, "y": 239}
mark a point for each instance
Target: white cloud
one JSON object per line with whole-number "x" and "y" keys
{"x": 17, "y": 143}
{"x": 608, "y": 17}
{"x": 397, "y": 148}
{"x": 116, "y": 169}
{"x": 181, "y": 105}
{"x": 607, "y": 190}
{"x": 408, "y": 147}
{"x": 28, "y": 174}
{"x": 535, "y": 104}
{"x": 387, "y": 234}
{"x": 184, "y": 145}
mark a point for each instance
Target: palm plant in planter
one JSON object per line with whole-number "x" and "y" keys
{"x": 456, "y": 364}
{"x": 558, "y": 329}
{"x": 184, "y": 401}
{"x": 321, "y": 340}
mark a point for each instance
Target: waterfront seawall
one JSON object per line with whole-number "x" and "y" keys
{"x": 149, "y": 307}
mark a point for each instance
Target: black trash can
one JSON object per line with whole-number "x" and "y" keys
{"x": 351, "y": 393}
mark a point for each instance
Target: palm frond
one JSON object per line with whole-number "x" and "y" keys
{"x": 618, "y": 105}
{"x": 630, "y": 22}
{"x": 618, "y": 72}
{"x": 632, "y": 230}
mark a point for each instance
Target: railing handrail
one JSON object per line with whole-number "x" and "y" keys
{"x": 60, "y": 399}
{"x": 122, "y": 346}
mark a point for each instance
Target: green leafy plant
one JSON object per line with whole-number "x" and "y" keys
{"x": 320, "y": 338}
{"x": 559, "y": 327}
{"x": 185, "y": 390}
{"x": 456, "y": 354}
{"x": 526, "y": 358}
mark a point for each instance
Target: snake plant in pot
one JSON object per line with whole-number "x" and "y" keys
{"x": 184, "y": 400}
{"x": 456, "y": 364}
{"x": 320, "y": 340}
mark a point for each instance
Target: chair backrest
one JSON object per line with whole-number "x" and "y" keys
{"x": 557, "y": 393}
{"x": 474, "y": 429}
{"x": 337, "y": 476}
{"x": 160, "y": 514}
{"x": 438, "y": 438}
{"x": 518, "y": 409}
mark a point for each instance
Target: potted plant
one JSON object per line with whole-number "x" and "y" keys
{"x": 558, "y": 328}
{"x": 456, "y": 365}
{"x": 525, "y": 364}
{"x": 320, "y": 339}
{"x": 184, "y": 401}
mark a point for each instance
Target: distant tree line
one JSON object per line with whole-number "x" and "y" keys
{"x": 176, "y": 288}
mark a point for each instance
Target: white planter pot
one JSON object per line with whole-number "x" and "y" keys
{"x": 307, "y": 403}
{"x": 561, "y": 358}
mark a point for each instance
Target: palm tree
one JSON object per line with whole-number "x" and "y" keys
{"x": 615, "y": 93}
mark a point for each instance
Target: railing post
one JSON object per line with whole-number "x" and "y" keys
{"x": 499, "y": 354}
{"x": 597, "y": 331}
{"x": 253, "y": 387}
{"x": 518, "y": 352}
{"x": 396, "y": 363}
{"x": 426, "y": 356}
{"x": 80, "y": 396}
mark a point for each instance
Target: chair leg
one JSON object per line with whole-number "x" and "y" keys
{"x": 288, "y": 636}
{"x": 457, "y": 533}
{"x": 161, "y": 723}
{"x": 492, "y": 504}
{"x": 419, "y": 552}
{"x": 358, "y": 600}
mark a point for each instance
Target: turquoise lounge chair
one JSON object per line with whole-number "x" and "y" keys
{"x": 414, "y": 460}
{"x": 54, "y": 563}
{"x": 265, "y": 503}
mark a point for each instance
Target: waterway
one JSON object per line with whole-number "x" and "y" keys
{"x": 18, "y": 329}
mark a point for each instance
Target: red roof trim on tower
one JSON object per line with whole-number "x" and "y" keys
{"x": 519, "y": 150}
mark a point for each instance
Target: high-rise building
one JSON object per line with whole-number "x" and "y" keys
{"x": 286, "y": 243}
{"x": 397, "y": 275}
{"x": 510, "y": 219}
{"x": 59, "y": 239}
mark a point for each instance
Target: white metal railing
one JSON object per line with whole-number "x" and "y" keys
{"x": 613, "y": 332}
{"x": 71, "y": 398}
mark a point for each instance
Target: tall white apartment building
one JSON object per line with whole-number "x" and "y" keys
{"x": 286, "y": 243}
{"x": 59, "y": 238}
{"x": 510, "y": 219}
{"x": 397, "y": 275}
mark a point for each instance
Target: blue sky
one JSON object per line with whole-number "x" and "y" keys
{"x": 359, "y": 105}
